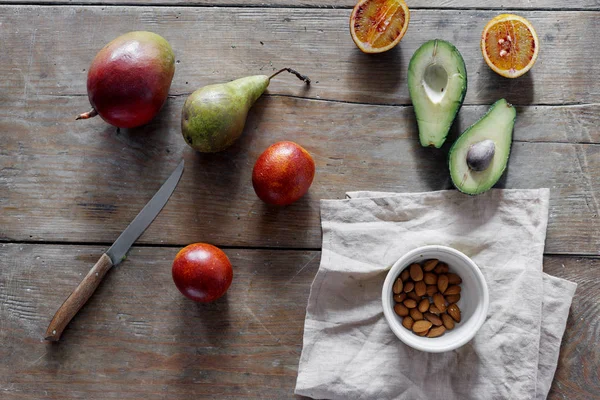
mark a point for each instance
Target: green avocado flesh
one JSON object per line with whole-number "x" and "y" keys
{"x": 496, "y": 125}
{"x": 437, "y": 83}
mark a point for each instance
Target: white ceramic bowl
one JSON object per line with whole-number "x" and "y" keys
{"x": 474, "y": 299}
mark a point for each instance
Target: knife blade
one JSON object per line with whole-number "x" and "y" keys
{"x": 114, "y": 256}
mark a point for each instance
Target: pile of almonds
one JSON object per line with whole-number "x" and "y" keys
{"x": 426, "y": 297}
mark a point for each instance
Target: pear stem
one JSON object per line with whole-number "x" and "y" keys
{"x": 292, "y": 71}
{"x": 86, "y": 115}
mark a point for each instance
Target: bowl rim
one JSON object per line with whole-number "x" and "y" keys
{"x": 389, "y": 313}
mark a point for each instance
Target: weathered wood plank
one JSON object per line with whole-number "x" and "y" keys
{"x": 139, "y": 338}
{"x": 66, "y": 180}
{"x": 46, "y": 50}
{"x": 414, "y": 4}
{"x": 578, "y": 372}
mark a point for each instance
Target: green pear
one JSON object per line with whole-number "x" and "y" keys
{"x": 214, "y": 116}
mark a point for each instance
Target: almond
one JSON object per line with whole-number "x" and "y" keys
{"x": 405, "y": 275}
{"x": 454, "y": 312}
{"x": 398, "y": 286}
{"x": 437, "y": 331}
{"x": 410, "y": 303}
{"x": 434, "y": 319}
{"x": 399, "y": 298}
{"x": 424, "y": 305}
{"x": 452, "y": 298}
{"x": 416, "y": 273}
{"x": 421, "y": 326}
{"x": 439, "y": 301}
{"x": 448, "y": 321}
{"x": 413, "y": 295}
{"x": 441, "y": 268}
{"x": 442, "y": 283}
{"x": 401, "y": 309}
{"x": 454, "y": 279}
{"x": 434, "y": 310}
{"x": 430, "y": 265}
{"x": 431, "y": 290}
{"x": 425, "y": 297}
{"x": 420, "y": 288}
{"x": 430, "y": 278}
{"x": 454, "y": 289}
{"x": 416, "y": 314}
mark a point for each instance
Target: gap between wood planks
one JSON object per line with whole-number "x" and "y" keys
{"x": 163, "y": 245}
{"x": 398, "y": 105}
{"x": 272, "y": 6}
{"x": 228, "y": 247}
{"x": 572, "y": 104}
{"x": 174, "y": 96}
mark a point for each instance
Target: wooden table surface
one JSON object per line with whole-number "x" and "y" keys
{"x": 67, "y": 188}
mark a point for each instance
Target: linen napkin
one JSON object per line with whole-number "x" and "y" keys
{"x": 349, "y": 351}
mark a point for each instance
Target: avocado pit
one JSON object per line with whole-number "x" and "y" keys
{"x": 480, "y": 155}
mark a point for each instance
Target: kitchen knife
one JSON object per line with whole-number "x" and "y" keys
{"x": 112, "y": 257}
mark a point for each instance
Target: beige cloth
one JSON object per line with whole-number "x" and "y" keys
{"x": 349, "y": 351}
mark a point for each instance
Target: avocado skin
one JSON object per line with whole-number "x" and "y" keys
{"x": 458, "y": 143}
{"x": 421, "y": 114}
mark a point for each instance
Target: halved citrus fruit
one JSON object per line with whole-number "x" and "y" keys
{"x": 509, "y": 45}
{"x": 378, "y": 25}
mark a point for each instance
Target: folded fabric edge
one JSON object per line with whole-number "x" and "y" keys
{"x": 506, "y": 193}
{"x": 315, "y": 289}
{"x": 556, "y": 305}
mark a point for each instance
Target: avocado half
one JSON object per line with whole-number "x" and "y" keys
{"x": 479, "y": 156}
{"x": 437, "y": 83}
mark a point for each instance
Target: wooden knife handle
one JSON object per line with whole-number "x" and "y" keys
{"x": 78, "y": 298}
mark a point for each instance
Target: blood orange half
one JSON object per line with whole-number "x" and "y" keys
{"x": 509, "y": 45}
{"x": 378, "y": 25}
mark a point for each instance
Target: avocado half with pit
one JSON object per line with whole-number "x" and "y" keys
{"x": 437, "y": 83}
{"x": 479, "y": 156}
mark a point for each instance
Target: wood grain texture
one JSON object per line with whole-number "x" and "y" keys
{"x": 322, "y": 4}
{"x": 84, "y": 181}
{"x": 47, "y": 51}
{"x": 138, "y": 337}
{"x": 67, "y": 181}
{"x": 578, "y": 374}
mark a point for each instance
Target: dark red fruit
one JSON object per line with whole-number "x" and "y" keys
{"x": 202, "y": 272}
{"x": 283, "y": 173}
{"x": 129, "y": 79}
